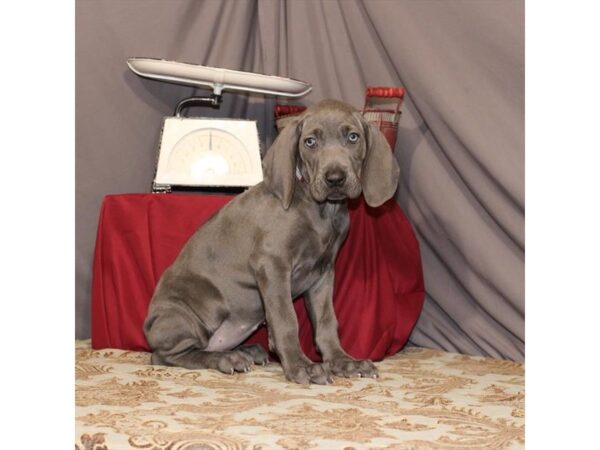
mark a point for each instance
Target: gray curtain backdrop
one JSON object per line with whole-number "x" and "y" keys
{"x": 460, "y": 144}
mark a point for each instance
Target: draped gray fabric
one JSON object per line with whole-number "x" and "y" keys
{"x": 460, "y": 144}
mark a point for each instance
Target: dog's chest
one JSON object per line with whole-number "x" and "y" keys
{"x": 318, "y": 251}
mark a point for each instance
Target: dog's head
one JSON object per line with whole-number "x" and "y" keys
{"x": 336, "y": 152}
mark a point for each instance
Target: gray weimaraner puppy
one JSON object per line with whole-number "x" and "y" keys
{"x": 274, "y": 242}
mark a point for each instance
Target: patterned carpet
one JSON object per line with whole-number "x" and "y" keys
{"x": 425, "y": 399}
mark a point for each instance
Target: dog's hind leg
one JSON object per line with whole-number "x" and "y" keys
{"x": 175, "y": 341}
{"x": 194, "y": 358}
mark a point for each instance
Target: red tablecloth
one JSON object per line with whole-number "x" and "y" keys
{"x": 378, "y": 292}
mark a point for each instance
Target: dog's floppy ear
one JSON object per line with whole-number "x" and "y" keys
{"x": 279, "y": 164}
{"x": 380, "y": 171}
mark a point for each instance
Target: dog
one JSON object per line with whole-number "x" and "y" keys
{"x": 272, "y": 243}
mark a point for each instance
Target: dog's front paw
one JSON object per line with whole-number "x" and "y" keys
{"x": 348, "y": 367}
{"x": 306, "y": 373}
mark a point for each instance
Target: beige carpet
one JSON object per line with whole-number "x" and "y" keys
{"x": 425, "y": 399}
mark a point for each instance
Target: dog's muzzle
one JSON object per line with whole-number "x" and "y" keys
{"x": 337, "y": 184}
{"x": 334, "y": 181}
{"x": 335, "y": 178}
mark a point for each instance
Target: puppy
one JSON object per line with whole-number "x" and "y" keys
{"x": 269, "y": 245}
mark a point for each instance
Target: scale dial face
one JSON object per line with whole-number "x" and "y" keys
{"x": 209, "y": 153}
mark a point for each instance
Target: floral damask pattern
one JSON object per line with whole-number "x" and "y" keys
{"x": 425, "y": 399}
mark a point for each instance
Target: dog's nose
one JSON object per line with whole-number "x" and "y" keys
{"x": 335, "y": 178}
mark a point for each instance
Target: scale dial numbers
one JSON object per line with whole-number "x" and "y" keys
{"x": 209, "y": 152}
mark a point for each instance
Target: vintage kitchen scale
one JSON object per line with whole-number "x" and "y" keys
{"x": 209, "y": 153}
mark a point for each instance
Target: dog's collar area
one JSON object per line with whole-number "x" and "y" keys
{"x": 299, "y": 176}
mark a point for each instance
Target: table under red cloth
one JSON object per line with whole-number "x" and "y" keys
{"x": 378, "y": 291}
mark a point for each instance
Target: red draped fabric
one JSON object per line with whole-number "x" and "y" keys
{"x": 378, "y": 291}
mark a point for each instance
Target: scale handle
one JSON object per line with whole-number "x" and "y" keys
{"x": 214, "y": 100}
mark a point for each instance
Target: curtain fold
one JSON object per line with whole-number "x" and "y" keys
{"x": 460, "y": 144}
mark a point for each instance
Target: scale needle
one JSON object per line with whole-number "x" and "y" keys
{"x": 210, "y": 140}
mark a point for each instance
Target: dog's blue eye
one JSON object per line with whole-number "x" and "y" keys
{"x": 353, "y": 138}
{"x": 310, "y": 142}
